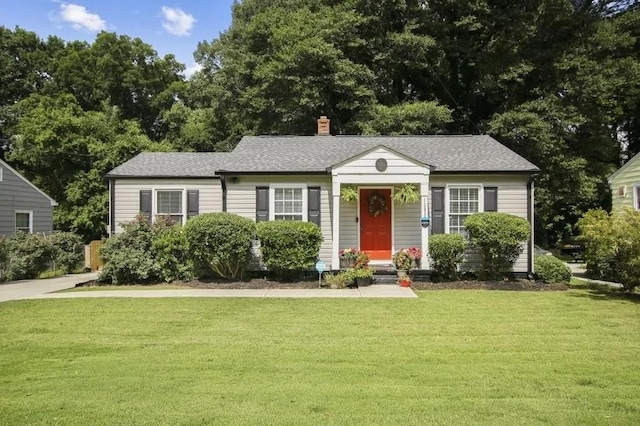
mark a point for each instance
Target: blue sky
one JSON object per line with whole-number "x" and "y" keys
{"x": 169, "y": 26}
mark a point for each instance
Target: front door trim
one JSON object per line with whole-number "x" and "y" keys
{"x": 393, "y": 211}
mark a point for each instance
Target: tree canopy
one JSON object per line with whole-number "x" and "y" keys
{"x": 554, "y": 80}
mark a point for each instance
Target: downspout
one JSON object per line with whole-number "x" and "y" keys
{"x": 112, "y": 209}
{"x": 530, "y": 257}
{"x": 223, "y": 182}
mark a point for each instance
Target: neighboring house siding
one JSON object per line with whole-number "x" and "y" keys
{"x": 127, "y": 195}
{"x": 16, "y": 194}
{"x": 241, "y": 200}
{"x": 512, "y": 198}
{"x": 628, "y": 178}
{"x": 407, "y": 229}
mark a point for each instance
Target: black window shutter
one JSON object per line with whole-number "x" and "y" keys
{"x": 262, "y": 203}
{"x": 193, "y": 203}
{"x": 145, "y": 204}
{"x": 314, "y": 204}
{"x": 437, "y": 213}
{"x": 490, "y": 199}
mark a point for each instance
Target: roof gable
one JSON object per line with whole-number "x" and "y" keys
{"x": 380, "y": 149}
{"x": 28, "y": 182}
{"x": 623, "y": 168}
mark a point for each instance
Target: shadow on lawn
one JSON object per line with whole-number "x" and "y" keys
{"x": 597, "y": 291}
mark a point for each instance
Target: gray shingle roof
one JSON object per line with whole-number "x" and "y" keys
{"x": 317, "y": 153}
{"x": 171, "y": 164}
{"x": 276, "y": 154}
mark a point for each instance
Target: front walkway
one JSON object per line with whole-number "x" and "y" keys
{"x": 28, "y": 288}
{"x": 373, "y": 291}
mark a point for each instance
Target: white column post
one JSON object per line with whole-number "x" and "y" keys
{"x": 335, "y": 255}
{"x": 424, "y": 211}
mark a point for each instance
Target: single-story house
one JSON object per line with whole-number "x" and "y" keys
{"x": 301, "y": 177}
{"x": 625, "y": 185}
{"x": 23, "y": 207}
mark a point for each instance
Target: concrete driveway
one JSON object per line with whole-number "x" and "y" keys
{"x": 28, "y": 288}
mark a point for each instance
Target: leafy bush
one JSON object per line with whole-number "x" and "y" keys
{"x": 552, "y": 270}
{"x": 68, "y": 251}
{"x": 289, "y": 246}
{"x": 171, "y": 249}
{"x": 220, "y": 242}
{"x": 447, "y": 252}
{"x": 499, "y": 239}
{"x": 4, "y": 257}
{"x": 28, "y": 255}
{"x": 340, "y": 280}
{"x": 129, "y": 257}
{"x": 612, "y": 246}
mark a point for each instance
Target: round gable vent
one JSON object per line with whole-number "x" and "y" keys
{"x": 381, "y": 164}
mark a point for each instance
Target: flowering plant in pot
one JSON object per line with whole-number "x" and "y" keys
{"x": 405, "y": 281}
{"x": 348, "y": 257}
{"x": 402, "y": 260}
{"x": 416, "y": 254}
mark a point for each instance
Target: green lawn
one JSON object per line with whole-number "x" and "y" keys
{"x": 449, "y": 357}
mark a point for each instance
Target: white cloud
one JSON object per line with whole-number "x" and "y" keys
{"x": 192, "y": 69}
{"x": 80, "y": 18}
{"x": 177, "y": 21}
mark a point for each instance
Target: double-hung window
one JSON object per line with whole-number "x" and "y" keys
{"x": 463, "y": 202}
{"x": 169, "y": 203}
{"x": 288, "y": 202}
{"x": 24, "y": 222}
{"x": 636, "y": 197}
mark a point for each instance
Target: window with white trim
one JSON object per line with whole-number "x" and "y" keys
{"x": 24, "y": 222}
{"x": 463, "y": 202}
{"x": 636, "y": 197}
{"x": 288, "y": 201}
{"x": 169, "y": 203}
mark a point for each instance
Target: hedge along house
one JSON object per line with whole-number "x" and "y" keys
{"x": 301, "y": 178}
{"x": 625, "y": 185}
{"x": 23, "y": 206}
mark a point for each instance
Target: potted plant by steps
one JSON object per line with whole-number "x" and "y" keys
{"x": 348, "y": 258}
{"x": 402, "y": 261}
{"x": 405, "y": 281}
{"x": 416, "y": 254}
{"x": 362, "y": 276}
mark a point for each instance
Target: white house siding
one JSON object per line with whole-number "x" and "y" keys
{"x": 348, "y": 224}
{"x": 365, "y": 166}
{"x": 512, "y": 198}
{"x": 407, "y": 229}
{"x": 629, "y": 178}
{"x": 127, "y": 195}
{"x": 16, "y": 194}
{"x": 241, "y": 200}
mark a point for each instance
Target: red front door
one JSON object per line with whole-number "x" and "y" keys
{"x": 375, "y": 223}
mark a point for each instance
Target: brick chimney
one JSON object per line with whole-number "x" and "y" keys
{"x": 324, "y": 127}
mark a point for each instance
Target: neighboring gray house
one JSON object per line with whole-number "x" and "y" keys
{"x": 23, "y": 207}
{"x": 300, "y": 178}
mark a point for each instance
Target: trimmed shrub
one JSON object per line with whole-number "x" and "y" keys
{"x": 499, "y": 239}
{"x": 288, "y": 246}
{"x": 612, "y": 246}
{"x": 129, "y": 257}
{"x": 552, "y": 270}
{"x": 171, "y": 249}
{"x": 220, "y": 243}
{"x": 447, "y": 252}
{"x": 28, "y": 256}
{"x": 68, "y": 251}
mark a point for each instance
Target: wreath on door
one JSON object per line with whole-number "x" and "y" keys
{"x": 377, "y": 204}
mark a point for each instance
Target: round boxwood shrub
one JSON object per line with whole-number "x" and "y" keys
{"x": 289, "y": 246}
{"x": 220, "y": 243}
{"x": 28, "y": 256}
{"x": 552, "y": 270}
{"x": 171, "y": 249}
{"x": 68, "y": 251}
{"x": 446, "y": 252}
{"x": 499, "y": 239}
